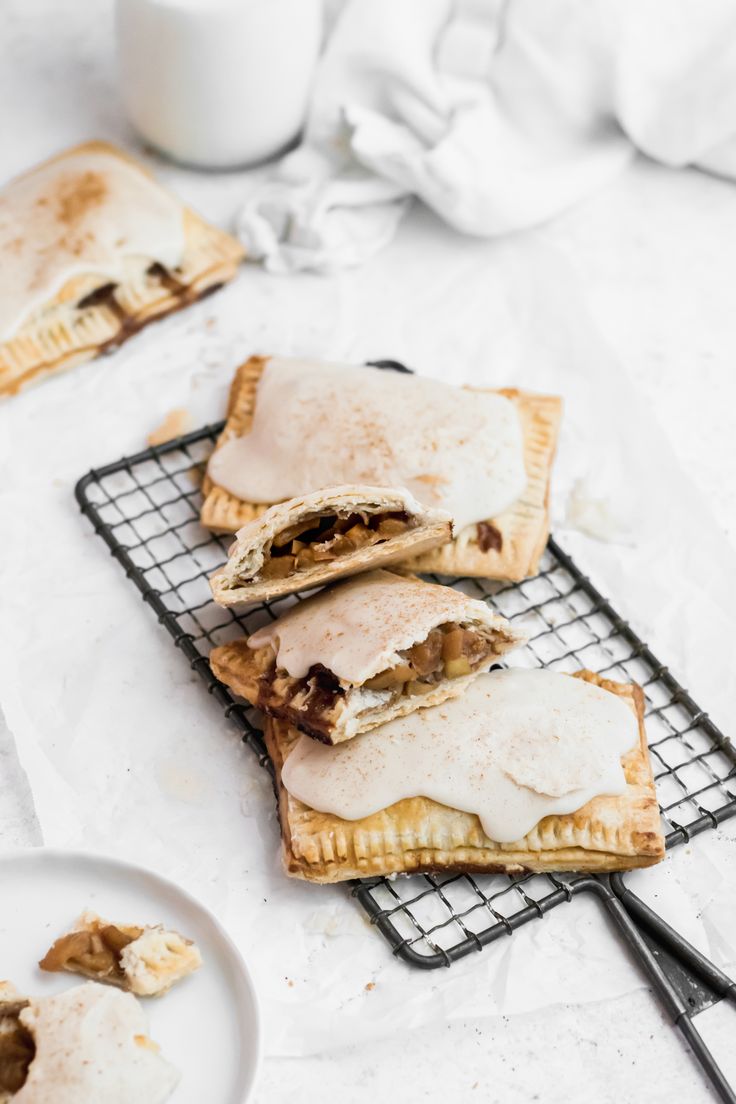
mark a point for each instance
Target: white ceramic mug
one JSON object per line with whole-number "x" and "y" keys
{"x": 218, "y": 83}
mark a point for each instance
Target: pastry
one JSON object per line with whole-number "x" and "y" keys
{"x": 317, "y": 538}
{"x": 83, "y": 1046}
{"x": 484, "y": 456}
{"x": 16, "y": 1043}
{"x": 363, "y": 652}
{"x": 565, "y": 769}
{"x": 91, "y": 249}
{"x": 145, "y": 960}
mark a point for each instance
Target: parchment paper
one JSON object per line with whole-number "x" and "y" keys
{"x": 126, "y": 753}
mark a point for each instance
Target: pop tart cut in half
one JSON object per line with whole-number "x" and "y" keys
{"x": 529, "y": 770}
{"x": 482, "y": 455}
{"x": 363, "y": 652}
{"x": 314, "y": 539}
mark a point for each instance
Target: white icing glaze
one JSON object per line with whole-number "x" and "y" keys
{"x": 357, "y": 628}
{"x": 92, "y": 1046}
{"x": 519, "y": 745}
{"x": 317, "y": 425}
{"x": 84, "y": 212}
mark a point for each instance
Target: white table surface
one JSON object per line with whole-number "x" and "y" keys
{"x": 654, "y": 251}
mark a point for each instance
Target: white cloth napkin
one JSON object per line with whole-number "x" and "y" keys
{"x": 498, "y": 114}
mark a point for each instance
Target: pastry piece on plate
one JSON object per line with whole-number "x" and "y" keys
{"x": 91, "y": 249}
{"x": 83, "y": 1046}
{"x": 363, "y": 652}
{"x": 316, "y": 538}
{"x": 145, "y": 960}
{"x": 529, "y": 770}
{"x": 484, "y": 456}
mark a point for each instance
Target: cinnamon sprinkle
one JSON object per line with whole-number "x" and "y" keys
{"x": 78, "y": 193}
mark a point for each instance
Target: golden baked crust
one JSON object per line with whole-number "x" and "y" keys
{"x": 220, "y": 509}
{"x": 418, "y": 835}
{"x": 63, "y": 334}
{"x": 522, "y": 530}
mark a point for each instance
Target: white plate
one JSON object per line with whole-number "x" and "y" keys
{"x": 208, "y": 1025}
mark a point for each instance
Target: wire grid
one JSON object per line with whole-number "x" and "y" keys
{"x": 146, "y": 508}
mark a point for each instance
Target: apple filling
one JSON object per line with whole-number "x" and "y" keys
{"x": 157, "y": 274}
{"x": 322, "y": 538}
{"x": 449, "y": 652}
{"x": 95, "y": 954}
{"x": 314, "y": 703}
{"x": 488, "y": 537}
{"x": 17, "y": 1048}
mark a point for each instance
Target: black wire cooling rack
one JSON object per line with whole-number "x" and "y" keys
{"x": 146, "y": 509}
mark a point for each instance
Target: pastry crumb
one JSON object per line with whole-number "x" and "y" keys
{"x": 371, "y": 985}
{"x": 146, "y": 1043}
{"x": 175, "y": 423}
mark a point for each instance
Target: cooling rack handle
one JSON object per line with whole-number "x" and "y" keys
{"x": 675, "y": 943}
{"x": 668, "y": 992}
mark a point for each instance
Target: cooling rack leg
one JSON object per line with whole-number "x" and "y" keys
{"x": 666, "y": 991}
